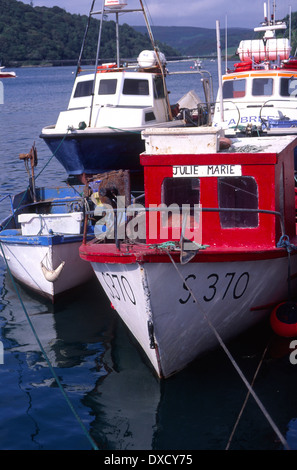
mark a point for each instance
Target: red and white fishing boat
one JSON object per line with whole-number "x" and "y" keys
{"x": 205, "y": 261}
{"x": 6, "y": 73}
{"x": 259, "y": 95}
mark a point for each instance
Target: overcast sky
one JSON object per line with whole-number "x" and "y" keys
{"x": 200, "y": 13}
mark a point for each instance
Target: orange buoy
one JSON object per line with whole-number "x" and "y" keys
{"x": 283, "y": 319}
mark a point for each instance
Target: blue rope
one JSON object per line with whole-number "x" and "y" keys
{"x": 284, "y": 242}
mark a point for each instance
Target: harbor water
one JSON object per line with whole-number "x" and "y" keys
{"x": 106, "y": 378}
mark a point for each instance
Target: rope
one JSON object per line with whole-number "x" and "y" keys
{"x": 123, "y": 130}
{"x": 237, "y": 368}
{"x": 28, "y": 187}
{"x": 54, "y": 154}
{"x": 92, "y": 442}
{"x": 284, "y": 242}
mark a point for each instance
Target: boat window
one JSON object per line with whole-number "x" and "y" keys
{"x": 181, "y": 191}
{"x": 158, "y": 88}
{"x": 288, "y": 87}
{"x": 238, "y": 193}
{"x": 83, "y": 89}
{"x": 135, "y": 87}
{"x": 181, "y": 196}
{"x": 262, "y": 87}
{"x": 234, "y": 89}
{"x": 107, "y": 87}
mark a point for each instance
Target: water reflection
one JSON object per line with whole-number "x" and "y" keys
{"x": 117, "y": 393}
{"x": 94, "y": 357}
{"x": 108, "y": 381}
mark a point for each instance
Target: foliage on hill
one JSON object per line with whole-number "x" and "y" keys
{"x": 202, "y": 41}
{"x": 293, "y": 31}
{"x": 38, "y": 34}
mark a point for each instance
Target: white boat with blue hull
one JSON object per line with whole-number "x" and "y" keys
{"x": 110, "y": 104}
{"x": 40, "y": 240}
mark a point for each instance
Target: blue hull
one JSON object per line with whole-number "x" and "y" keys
{"x": 85, "y": 154}
{"x": 14, "y": 237}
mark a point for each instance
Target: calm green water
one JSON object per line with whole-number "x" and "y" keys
{"x": 108, "y": 381}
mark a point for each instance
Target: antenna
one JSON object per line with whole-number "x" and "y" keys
{"x": 226, "y": 44}
{"x": 290, "y": 24}
{"x": 265, "y": 12}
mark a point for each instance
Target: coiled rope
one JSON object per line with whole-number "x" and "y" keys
{"x": 233, "y": 362}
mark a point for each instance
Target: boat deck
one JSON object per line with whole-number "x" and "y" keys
{"x": 128, "y": 253}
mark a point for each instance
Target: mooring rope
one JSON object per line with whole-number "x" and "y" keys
{"x": 92, "y": 442}
{"x": 246, "y": 398}
{"x": 28, "y": 187}
{"x": 233, "y": 362}
{"x": 54, "y": 153}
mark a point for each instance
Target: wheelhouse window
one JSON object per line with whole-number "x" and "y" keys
{"x": 149, "y": 117}
{"x": 107, "y": 87}
{"x": 136, "y": 87}
{"x": 158, "y": 88}
{"x": 262, "y": 87}
{"x": 234, "y": 89}
{"x": 181, "y": 196}
{"x": 238, "y": 193}
{"x": 83, "y": 89}
{"x": 181, "y": 191}
{"x": 288, "y": 87}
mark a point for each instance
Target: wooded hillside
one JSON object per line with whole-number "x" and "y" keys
{"x": 40, "y": 35}
{"x": 37, "y": 35}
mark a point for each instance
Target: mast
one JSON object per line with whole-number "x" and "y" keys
{"x": 158, "y": 59}
{"x": 84, "y": 40}
{"x": 226, "y": 45}
{"x": 96, "y": 61}
{"x": 290, "y": 24}
{"x": 220, "y": 70}
{"x": 115, "y": 7}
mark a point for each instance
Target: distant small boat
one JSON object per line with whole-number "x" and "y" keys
{"x": 197, "y": 64}
{"x": 6, "y": 74}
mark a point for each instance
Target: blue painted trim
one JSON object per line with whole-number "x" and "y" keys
{"x": 14, "y": 237}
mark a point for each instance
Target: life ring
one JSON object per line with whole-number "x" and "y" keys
{"x": 290, "y": 64}
{"x": 283, "y": 319}
{"x": 243, "y": 66}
